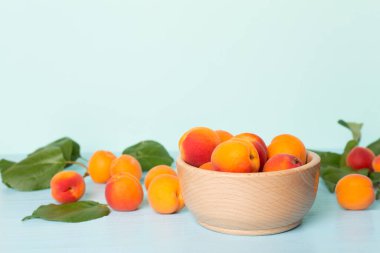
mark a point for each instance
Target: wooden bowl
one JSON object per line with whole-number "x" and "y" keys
{"x": 250, "y": 203}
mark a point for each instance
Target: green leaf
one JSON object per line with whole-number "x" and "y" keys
{"x": 355, "y": 128}
{"x": 375, "y": 147}
{"x": 364, "y": 172}
{"x": 70, "y": 148}
{"x": 71, "y": 212}
{"x": 5, "y": 164}
{"x": 375, "y": 177}
{"x": 35, "y": 171}
{"x": 331, "y": 175}
{"x": 329, "y": 158}
{"x": 349, "y": 146}
{"x": 149, "y": 153}
{"x": 330, "y": 185}
{"x": 378, "y": 194}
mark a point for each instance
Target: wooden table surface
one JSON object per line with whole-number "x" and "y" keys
{"x": 326, "y": 228}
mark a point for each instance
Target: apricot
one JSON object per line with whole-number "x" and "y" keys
{"x": 376, "y": 164}
{"x": 287, "y": 144}
{"x": 223, "y": 135}
{"x": 253, "y": 137}
{"x": 124, "y": 192}
{"x": 360, "y": 158}
{"x": 281, "y": 162}
{"x": 127, "y": 164}
{"x": 67, "y": 186}
{"x": 156, "y": 171}
{"x": 164, "y": 194}
{"x": 259, "y": 145}
{"x": 236, "y": 155}
{"x": 197, "y": 144}
{"x": 355, "y": 192}
{"x": 99, "y": 166}
{"x": 207, "y": 166}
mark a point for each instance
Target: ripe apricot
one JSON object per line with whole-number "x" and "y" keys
{"x": 360, "y": 158}
{"x": 164, "y": 194}
{"x": 127, "y": 164}
{"x": 99, "y": 166}
{"x": 207, "y": 166}
{"x": 67, "y": 186}
{"x": 287, "y": 144}
{"x": 197, "y": 144}
{"x": 253, "y": 137}
{"x": 223, "y": 135}
{"x": 259, "y": 145}
{"x": 281, "y": 162}
{"x": 355, "y": 192}
{"x": 124, "y": 192}
{"x": 236, "y": 155}
{"x": 376, "y": 164}
{"x": 156, "y": 171}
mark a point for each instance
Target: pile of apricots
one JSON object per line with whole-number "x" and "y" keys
{"x": 207, "y": 149}
{"x": 123, "y": 190}
{"x": 244, "y": 153}
{"x": 355, "y": 191}
{"x": 200, "y": 146}
{"x": 247, "y": 153}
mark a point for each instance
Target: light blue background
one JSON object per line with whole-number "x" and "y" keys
{"x": 110, "y": 73}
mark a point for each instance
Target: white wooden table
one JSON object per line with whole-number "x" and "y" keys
{"x": 326, "y": 228}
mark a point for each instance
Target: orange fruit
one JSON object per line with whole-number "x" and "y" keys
{"x": 355, "y": 192}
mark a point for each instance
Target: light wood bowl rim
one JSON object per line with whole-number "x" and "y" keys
{"x": 315, "y": 160}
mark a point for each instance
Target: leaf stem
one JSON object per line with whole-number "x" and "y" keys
{"x": 84, "y": 159}
{"x": 27, "y": 218}
{"x": 77, "y": 163}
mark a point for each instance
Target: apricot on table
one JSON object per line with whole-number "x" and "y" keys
{"x": 67, "y": 186}
{"x": 376, "y": 164}
{"x": 197, "y": 145}
{"x": 281, "y": 162}
{"x": 355, "y": 192}
{"x": 99, "y": 166}
{"x": 236, "y": 155}
{"x": 360, "y": 158}
{"x": 156, "y": 171}
{"x": 164, "y": 194}
{"x": 223, "y": 135}
{"x": 124, "y": 192}
{"x": 126, "y": 164}
{"x": 259, "y": 145}
{"x": 287, "y": 144}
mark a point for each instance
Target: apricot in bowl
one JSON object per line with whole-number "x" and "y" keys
{"x": 250, "y": 203}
